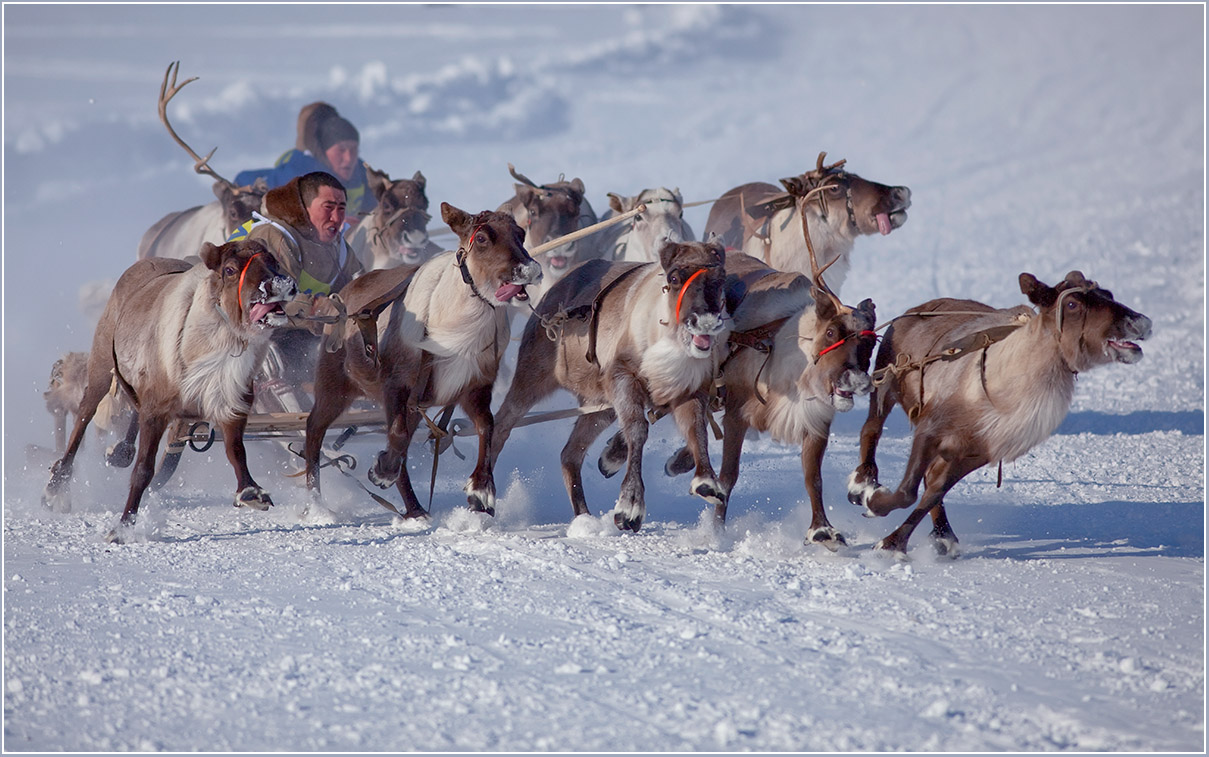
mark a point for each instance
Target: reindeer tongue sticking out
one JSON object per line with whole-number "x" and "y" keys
{"x": 883, "y": 223}
{"x": 508, "y": 291}
{"x": 702, "y": 341}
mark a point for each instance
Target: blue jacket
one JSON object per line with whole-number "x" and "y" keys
{"x": 295, "y": 162}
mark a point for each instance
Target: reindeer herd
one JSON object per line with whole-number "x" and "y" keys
{"x": 636, "y": 321}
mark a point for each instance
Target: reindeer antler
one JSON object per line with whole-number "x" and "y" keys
{"x": 821, "y": 170}
{"x": 167, "y": 92}
{"x": 816, "y": 272}
{"x": 520, "y": 176}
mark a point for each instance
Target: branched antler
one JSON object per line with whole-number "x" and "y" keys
{"x": 167, "y": 92}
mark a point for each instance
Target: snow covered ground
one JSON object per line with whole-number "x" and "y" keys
{"x": 1034, "y": 138}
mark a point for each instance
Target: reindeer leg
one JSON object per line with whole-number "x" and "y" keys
{"x": 151, "y": 428}
{"x": 480, "y": 488}
{"x": 613, "y": 456}
{"x": 943, "y": 538}
{"x": 583, "y": 433}
{"x": 734, "y": 432}
{"x": 690, "y": 418}
{"x": 413, "y": 508}
{"x": 387, "y": 467}
{"x": 862, "y": 482}
{"x": 534, "y": 381}
{"x": 821, "y": 530}
{"x": 334, "y": 393}
{"x": 121, "y": 454}
{"x": 56, "y": 496}
{"x": 943, "y": 474}
{"x": 247, "y": 492}
{"x": 882, "y": 501}
{"x": 629, "y": 401}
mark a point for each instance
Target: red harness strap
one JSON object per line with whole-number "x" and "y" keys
{"x": 683, "y": 289}
{"x": 242, "y": 274}
{"x": 837, "y": 344}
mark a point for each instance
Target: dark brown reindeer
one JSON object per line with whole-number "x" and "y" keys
{"x": 635, "y": 336}
{"x": 183, "y": 341}
{"x": 797, "y": 357}
{"x": 983, "y": 385}
{"x": 396, "y": 232}
{"x": 441, "y": 344}
{"x": 547, "y": 212}
{"x": 181, "y": 234}
{"x": 840, "y": 206}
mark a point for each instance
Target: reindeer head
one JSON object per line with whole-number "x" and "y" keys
{"x": 546, "y": 212}
{"x": 843, "y": 340}
{"x": 248, "y": 284}
{"x": 491, "y": 255}
{"x": 696, "y": 297}
{"x": 1091, "y": 327}
{"x": 849, "y": 205}
{"x": 238, "y": 203}
{"x": 663, "y": 219}
{"x": 401, "y": 231}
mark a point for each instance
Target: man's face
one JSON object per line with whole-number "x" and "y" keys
{"x": 326, "y": 212}
{"x": 342, "y": 157}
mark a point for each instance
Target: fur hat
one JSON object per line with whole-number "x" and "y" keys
{"x": 284, "y": 203}
{"x": 320, "y": 127}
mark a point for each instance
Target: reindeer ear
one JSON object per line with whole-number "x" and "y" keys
{"x": 1076, "y": 279}
{"x": 869, "y": 309}
{"x": 525, "y": 192}
{"x": 223, "y": 192}
{"x": 1038, "y": 293}
{"x": 211, "y": 255}
{"x": 577, "y": 185}
{"x": 419, "y": 179}
{"x": 455, "y": 218}
{"x": 617, "y": 203}
{"x": 378, "y": 183}
{"x": 794, "y": 185}
{"x": 666, "y": 252}
{"x": 824, "y": 308}
{"x": 715, "y": 246}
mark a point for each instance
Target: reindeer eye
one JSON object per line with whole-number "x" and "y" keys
{"x": 1072, "y": 305}
{"x": 831, "y": 333}
{"x": 480, "y": 238}
{"x": 228, "y": 271}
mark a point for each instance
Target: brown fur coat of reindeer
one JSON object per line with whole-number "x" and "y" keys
{"x": 983, "y": 385}
{"x": 183, "y": 341}
{"x": 441, "y": 344}
{"x": 650, "y": 336}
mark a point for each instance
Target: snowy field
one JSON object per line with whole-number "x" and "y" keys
{"x": 1033, "y": 137}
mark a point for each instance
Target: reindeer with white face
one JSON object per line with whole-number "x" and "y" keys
{"x": 547, "y": 212}
{"x": 634, "y": 336}
{"x": 982, "y": 385}
{"x": 837, "y": 205}
{"x": 640, "y": 239}
{"x": 396, "y": 232}
{"x": 441, "y": 344}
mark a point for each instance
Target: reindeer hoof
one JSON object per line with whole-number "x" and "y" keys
{"x": 114, "y": 537}
{"x": 477, "y": 506}
{"x": 57, "y": 501}
{"x": 480, "y": 498}
{"x": 945, "y": 545}
{"x": 379, "y": 476}
{"x": 627, "y": 523}
{"x": 709, "y": 490}
{"x": 679, "y": 463}
{"x": 253, "y": 497}
{"x": 891, "y": 547}
{"x": 613, "y": 457}
{"x": 120, "y": 455}
{"x": 828, "y": 537}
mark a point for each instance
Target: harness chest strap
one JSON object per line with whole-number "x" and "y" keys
{"x": 760, "y": 339}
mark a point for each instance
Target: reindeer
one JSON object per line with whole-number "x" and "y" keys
{"x": 639, "y": 240}
{"x": 441, "y": 344}
{"x": 982, "y": 385}
{"x": 183, "y": 341}
{"x": 797, "y": 357}
{"x": 396, "y": 232}
{"x": 550, "y": 211}
{"x": 839, "y": 206}
{"x": 634, "y": 336}
{"x": 68, "y": 379}
{"x": 182, "y": 233}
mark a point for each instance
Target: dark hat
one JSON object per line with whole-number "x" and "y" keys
{"x": 336, "y": 129}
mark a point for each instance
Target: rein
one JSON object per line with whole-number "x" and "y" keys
{"x": 683, "y": 289}
{"x": 242, "y": 274}
{"x": 862, "y": 334}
